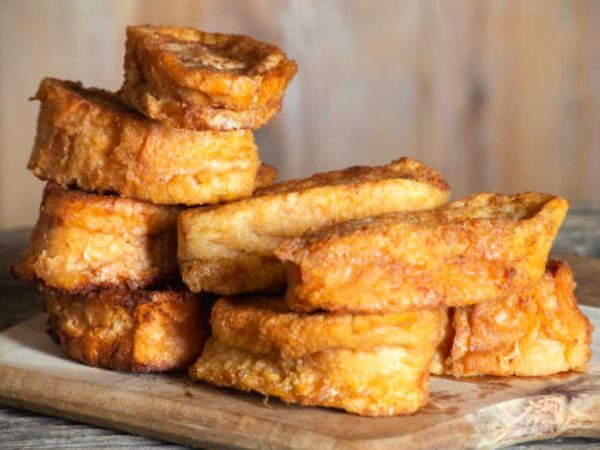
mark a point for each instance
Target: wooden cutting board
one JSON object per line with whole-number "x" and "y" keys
{"x": 476, "y": 413}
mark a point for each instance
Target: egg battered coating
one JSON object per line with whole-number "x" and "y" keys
{"x": 473, "y": 250}
{"x": 229, "y": 249}
{"x": 540, "y": 331}
{"x": 82, "y": 241}
{"x": 265, "y": 325}
{"x": 89, "y": 139}
{"x": 386, "y": 381}
{"x": 135, "y": 331}
{"x": 192, "y": 79}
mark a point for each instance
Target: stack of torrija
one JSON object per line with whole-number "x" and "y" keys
{"x": 120, "y": 167}
{"x": 357, "y": 284}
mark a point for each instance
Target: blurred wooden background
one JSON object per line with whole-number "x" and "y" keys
{"x": 498, "y": 94}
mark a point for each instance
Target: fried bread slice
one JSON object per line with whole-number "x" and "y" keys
{"x": 126, "y": 330}
{"x": 537, "y": 332}
{"x": 83, "y": 241}
{"x": 265, "y": 325}
{"x": 192, "y": 79}
{"x": 385, "y": 381}
{"x": 478, "y": 249}
{"x": 89, "y": 139}
{"x": 228, "y": 249}
{"x": 374, "y": 365}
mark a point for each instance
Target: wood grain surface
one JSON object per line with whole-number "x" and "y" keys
{"x": 499, "y": 95}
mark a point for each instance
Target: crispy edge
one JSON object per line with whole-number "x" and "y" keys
{"x": 404, "y": 167}
{"x": 470, "y": 210}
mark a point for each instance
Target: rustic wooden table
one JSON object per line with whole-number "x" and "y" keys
{"x": 580, "y": 235}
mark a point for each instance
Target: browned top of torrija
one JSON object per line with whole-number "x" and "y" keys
{"x": 470, "y": 251}
{"x": 486, "y": 207}
{"x": 94, "y": 98}
{"x": 231, "y": 71}
{"x": 402, "y": 168}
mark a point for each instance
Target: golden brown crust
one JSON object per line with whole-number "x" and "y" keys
{"x": 265, "y": 325}
{"x": 228, "y": 249}
{"x": 83, "y": 241}
{"x": 540, "y": 331}
{"x": 403, "y": 168}
{"x": 474, "y": 250}
{"x": 87, "y": 138}
{"x": 192, "y": 79}
{"x": 381, "y": 382}
{"x": 137, "y": 331}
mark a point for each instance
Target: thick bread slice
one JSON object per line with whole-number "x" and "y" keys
{"x": 266, "y": 325}
{"x": 83, "y": 241}
{"x": 482, "y": 248}
{"x": 87, "y": 138}
{"x": 192, "y": 79}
